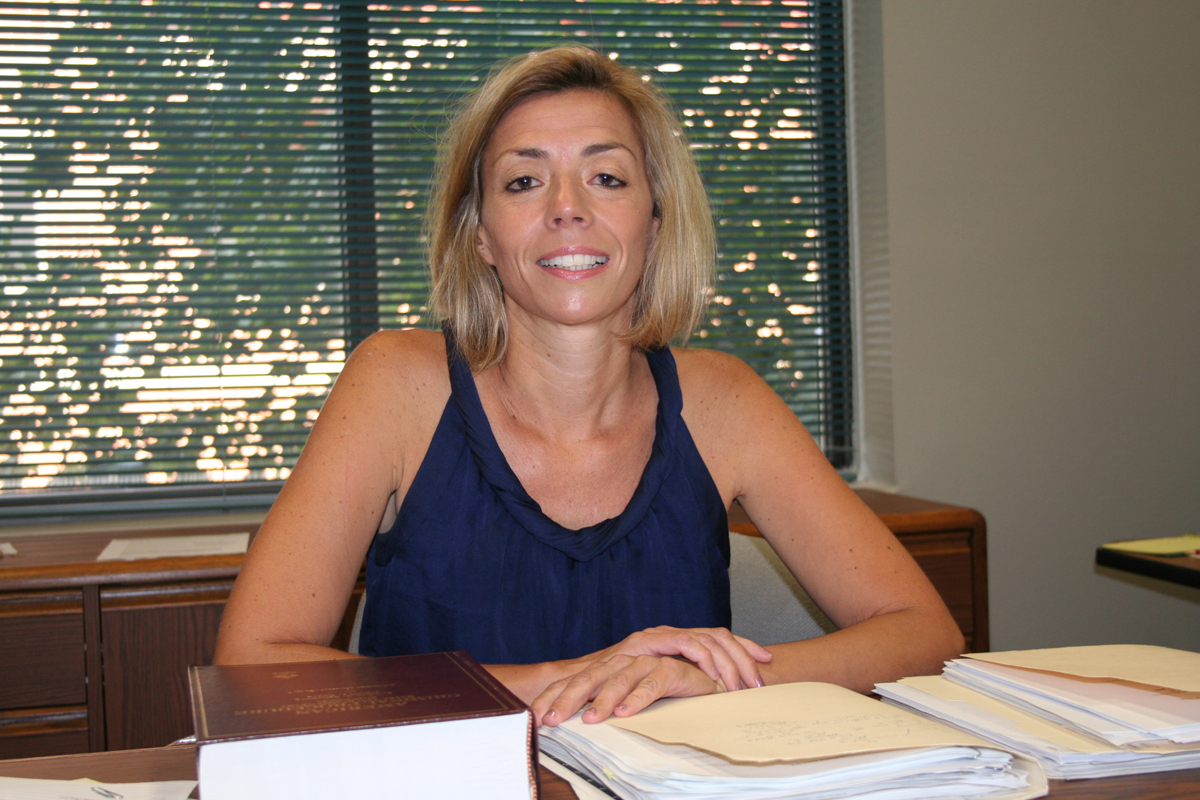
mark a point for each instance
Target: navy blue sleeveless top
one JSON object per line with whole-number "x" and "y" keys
{"x": 472, "y": 562}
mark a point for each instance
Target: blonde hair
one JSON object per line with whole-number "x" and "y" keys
{"x": 466, "y": 292}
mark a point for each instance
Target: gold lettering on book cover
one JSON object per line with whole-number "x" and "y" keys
{"x": 345, "y": 699}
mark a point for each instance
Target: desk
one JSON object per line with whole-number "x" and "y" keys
{"x": 179, "y": 763}
{"x": 1183, "y": 570}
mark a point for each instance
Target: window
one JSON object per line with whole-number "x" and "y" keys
{"x": 206, "y": 205}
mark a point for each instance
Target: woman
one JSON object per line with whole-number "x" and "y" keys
{"x": 545, "y": 484}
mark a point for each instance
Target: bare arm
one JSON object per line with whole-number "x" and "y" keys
{"x": 893, "y": 622}
{"x": 289, "y": 598}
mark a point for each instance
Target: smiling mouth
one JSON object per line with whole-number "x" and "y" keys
{"x": 575, "y": 262}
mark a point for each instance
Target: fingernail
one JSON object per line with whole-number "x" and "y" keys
{"x": 759, "y": 682}
{"x": 548, "y": 716}
{"x": 590, "y": 713}
{"x": 622, "y": 708}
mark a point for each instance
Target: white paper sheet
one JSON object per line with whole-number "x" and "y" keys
{"x": 7, "y": 549}
{"x": 209, "y": 544}
{"x": 36, "y": 789}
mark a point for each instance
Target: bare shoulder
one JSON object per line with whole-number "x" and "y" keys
{"x": 404, "y": 354}
{"x": 388, "y": 396}
{"x": 716, "y": 385}
{"x": 398, "y": 368}
{"x": 739, "y": 424}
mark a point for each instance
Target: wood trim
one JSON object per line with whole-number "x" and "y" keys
{"x": 36, "y": 721}
{"x": 165, "y": 594}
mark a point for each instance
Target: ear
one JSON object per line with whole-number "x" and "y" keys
{"x": 483, "y": 245}
{"x": 652, "y": 232}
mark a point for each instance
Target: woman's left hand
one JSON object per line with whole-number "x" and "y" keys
{"x": 621, "y": 685}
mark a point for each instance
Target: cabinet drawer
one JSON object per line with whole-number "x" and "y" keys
{"x": 36, "y": 732}
{"x": 152, "y": 634}
{"x": 41, "y": 650}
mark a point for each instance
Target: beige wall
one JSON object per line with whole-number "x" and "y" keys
{"x": 1043, "y": 215}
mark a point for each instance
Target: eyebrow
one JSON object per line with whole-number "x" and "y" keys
{"x": 588, "y": 152}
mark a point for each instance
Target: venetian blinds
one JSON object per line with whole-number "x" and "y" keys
{"x": 205, "y": 205}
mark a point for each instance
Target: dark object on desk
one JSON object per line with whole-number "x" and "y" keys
{"x": 433, "y": 725}
{"x": 1182, "y": 570}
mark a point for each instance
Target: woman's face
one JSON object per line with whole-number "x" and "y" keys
{"x": 567, "y": 212}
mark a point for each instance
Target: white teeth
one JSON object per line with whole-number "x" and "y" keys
{"x": 574, "y": 262}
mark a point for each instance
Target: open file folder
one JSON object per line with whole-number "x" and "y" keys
{"x": 792, "y": 740}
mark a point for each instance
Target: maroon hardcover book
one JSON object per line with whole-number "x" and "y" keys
{"x": 433, "y": 725}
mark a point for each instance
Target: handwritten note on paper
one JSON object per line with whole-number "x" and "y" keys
{"x": 790, "y": 722}
{"x": 209, "y": 544}
{"x": 1149, "y": 665}
{"x": 36, "y": 789}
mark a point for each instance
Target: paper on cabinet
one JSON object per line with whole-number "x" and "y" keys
{"x": 208, "y": 544}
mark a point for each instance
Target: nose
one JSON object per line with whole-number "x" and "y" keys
{"x": 568, "y": 205}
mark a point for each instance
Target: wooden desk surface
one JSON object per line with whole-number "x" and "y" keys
{"x": 1183, "y": 570}
{"x": 179, "y": 763}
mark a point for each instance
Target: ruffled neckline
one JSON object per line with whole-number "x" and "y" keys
{"x": 586, "y": 543}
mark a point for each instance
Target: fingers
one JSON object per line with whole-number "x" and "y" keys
{"x": 720, "y": 654}
{"x": 647, "y": 665}
{"x": 666, "y": 678}
{"x": 563, "y": 698}
{"x": 622, "y": 685}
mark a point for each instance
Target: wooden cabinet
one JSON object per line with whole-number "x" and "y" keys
{"x": 93, "y": 655}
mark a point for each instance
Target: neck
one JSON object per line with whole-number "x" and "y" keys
{"x": 579, "y": 380}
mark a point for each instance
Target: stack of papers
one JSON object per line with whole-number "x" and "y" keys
{"x": 799, "y": 740}
{"x": 1082, "y": 711}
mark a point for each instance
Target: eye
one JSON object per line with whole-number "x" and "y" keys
{"x": 521, "y": 184}
{"x": 611, "y": 181}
